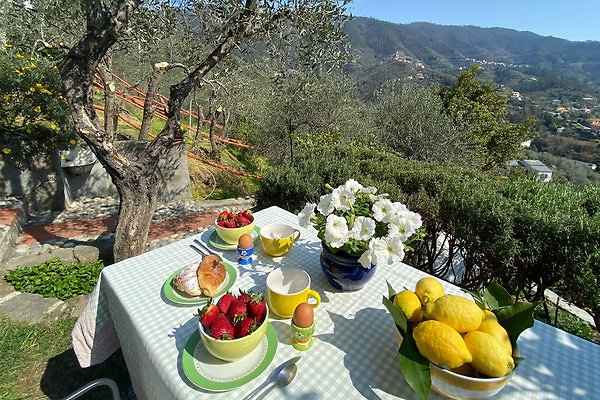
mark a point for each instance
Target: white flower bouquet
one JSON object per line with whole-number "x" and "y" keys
{"x": 360, "y": 223}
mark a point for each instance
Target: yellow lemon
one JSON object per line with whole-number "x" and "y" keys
{"x": 489, "y": 356}
{"x": 429, "y": 290}
{"x": 441, "y": 344}
{"x": 490, "y": 325}
{"x": 410, "y": 305}
{"x": 462, "y": 314}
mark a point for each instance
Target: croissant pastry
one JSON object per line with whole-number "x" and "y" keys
{"x": 203, "y": 279}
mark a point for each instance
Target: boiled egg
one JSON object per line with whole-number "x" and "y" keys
{"x": 303, "y": 315}
{"x": 245, "y": 241}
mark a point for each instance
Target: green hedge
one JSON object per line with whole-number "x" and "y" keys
{"x": 529, "y": 235}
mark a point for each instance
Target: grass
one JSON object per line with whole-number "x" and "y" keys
{"x": 37, "y": 362}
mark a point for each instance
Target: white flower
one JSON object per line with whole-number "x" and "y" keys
{"x": 369, "y": 190}
{"x": 336, "y": 231}
{"x": 325, "y": 206}
{"x": 343, "y": 198}
{"x": 306, "y": 214}
{"x": 383, "y": 210}
{"x": 388, "y": 250}
{"x": 399, "y": 207}
{"x": 365, "y": 259}
{"x": 363, "y": 228}
{"x": 353, "y": 186}
{"x": 404, "y": 224}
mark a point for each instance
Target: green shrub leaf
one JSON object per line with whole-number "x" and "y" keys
{"x": 55, "y": 279}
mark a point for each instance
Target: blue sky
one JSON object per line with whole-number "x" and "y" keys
{"x": 572, "y": 20}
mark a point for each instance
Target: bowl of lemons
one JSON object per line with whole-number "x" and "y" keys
{"x": 470, "y": 353}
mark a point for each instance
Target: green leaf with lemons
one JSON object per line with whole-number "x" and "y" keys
{"x": 415, "y": 367}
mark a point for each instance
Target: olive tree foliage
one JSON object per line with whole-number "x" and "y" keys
{"x": 481, "y": 113}
{"x": 411, "y": 119}
{"x": 305, "y": 105}
{"x": 315, "y": 23}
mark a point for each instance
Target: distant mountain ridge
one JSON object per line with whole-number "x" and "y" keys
{"x": 446, "y": 48}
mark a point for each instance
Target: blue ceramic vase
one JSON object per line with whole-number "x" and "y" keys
{"x": 344, "y": 272}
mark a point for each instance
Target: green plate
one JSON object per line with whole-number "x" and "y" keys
{"x": 218, "y": 243}
{"x": 179, "y": 297}
{"x": 208, "y": 372}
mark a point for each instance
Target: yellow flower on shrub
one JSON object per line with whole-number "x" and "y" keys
{"x": 18, "y": 56}
{"x": 6, "y": 97}
{"x": 72, "y": 141}
{"x": 7, "y": 45}
{"x": 6, "y": 150}
{"x": 54, "y": 127}
{"x": 37, "y": 109}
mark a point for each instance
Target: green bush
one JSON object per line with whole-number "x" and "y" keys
{"x": 55, "y": 279}
{"x": 528, "y": 235}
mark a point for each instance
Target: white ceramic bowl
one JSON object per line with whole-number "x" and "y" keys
{"x": 461, "y": 387}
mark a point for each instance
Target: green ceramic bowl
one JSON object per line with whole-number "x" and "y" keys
{"x": 231, "y": 235}
{"x": 232, "y": 350}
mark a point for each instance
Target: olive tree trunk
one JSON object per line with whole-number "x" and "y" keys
{"x": 136, "y": 181}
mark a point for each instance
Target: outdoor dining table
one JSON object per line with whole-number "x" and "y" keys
{"x": 355, "y": 352}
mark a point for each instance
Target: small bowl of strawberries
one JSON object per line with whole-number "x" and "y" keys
{"x": 230, "y": 226}
{"x": 233, "y": 326}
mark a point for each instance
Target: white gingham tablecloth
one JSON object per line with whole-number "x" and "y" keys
{"x": 354, "y": 354}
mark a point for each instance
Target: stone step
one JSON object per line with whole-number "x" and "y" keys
{"x": 32, "y": 308}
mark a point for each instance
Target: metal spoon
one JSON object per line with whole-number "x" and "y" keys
{"x": 283, "y": 378}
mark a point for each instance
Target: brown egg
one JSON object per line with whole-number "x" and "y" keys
{"x": 245, "y": 241}
{"x": 303, "y": 315}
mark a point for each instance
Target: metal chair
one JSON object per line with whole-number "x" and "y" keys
{"x": 114, "y": 389}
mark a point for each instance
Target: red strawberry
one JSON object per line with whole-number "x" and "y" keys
{"x": 230, "y": 224}
{"x": 224, "y": 302}
{"x": 244, "y": 297}
{"x": 208, "y": 314}
{"x": 243, "y": 221}
{"x": 245, "y": 327}
{"x": 248, "y": 214}
{"x": 237, "y": 311}
{"x": 221, "y": 328}
{"x": 257, "y": 307}
{"x": 230, "y": 215}
{"x": 221, "y": 223}
{"x": 223, "y": 216}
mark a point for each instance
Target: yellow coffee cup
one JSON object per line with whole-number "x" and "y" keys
{"x": 288, "y": 287}
{"x": 276, "y": 239}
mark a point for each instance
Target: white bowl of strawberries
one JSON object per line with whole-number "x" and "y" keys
{"x": 230, "y": 226}
{"x": 234, "y": 326}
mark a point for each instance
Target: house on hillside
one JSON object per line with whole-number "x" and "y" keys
{"x": 537, "y": 167}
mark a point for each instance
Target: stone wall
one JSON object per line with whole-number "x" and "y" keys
{"x": 44, "y": 185}
{"x": 39, "y": 181}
